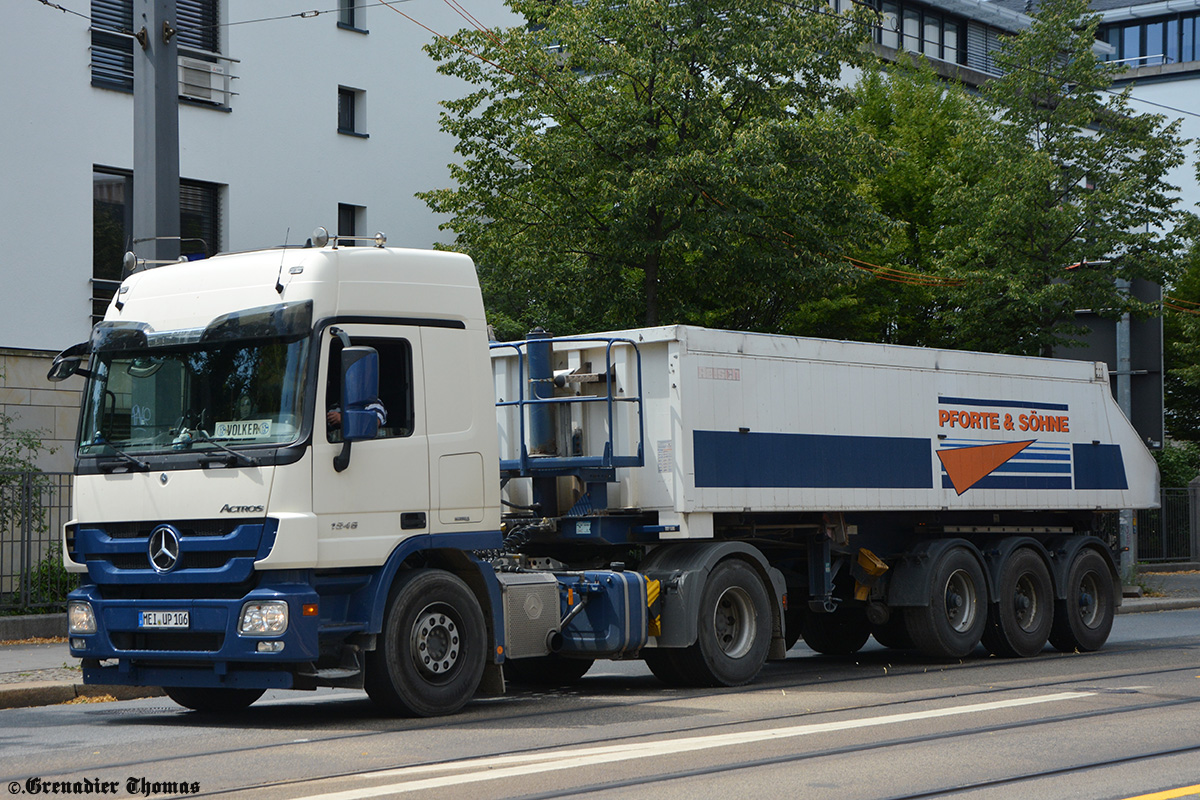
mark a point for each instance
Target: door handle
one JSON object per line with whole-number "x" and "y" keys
{"x": 413, "y": 520}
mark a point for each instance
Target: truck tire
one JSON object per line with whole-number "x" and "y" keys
{"x": 430, "y": 654}
{"x": 213, "y": 700}
{"x": 951, "y": 624}
{"x": 841, "y": 633}
{"x": 894, "y": 633}
{"x": 1019, "y": 622}
{"x": 666, "y": 665}
{"x": 734, "y": 632}
{"x": 547, "y": 671}
{"x": 1083, "y": 620}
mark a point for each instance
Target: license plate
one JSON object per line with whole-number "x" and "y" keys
{"x": 163, "y": 619}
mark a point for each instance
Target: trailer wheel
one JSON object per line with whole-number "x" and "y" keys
{"x": 893, "y": 633}
{"x": 1084, "y": 619}
{"x": 213, "y": 700}
{"x": 1019, "y": 623}
{"x": 734, "y": 628}
{"x": 951, "y": 624}
{"x": 548, "y": 671}
{"x": 430, "y": 655}
{"x": 841, "y": 633}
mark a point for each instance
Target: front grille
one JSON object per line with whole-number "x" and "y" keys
{"x": 176, "y": 591}
{"x": 168, "y": 641}
{"x": 128, "y": 561}
{"x": 142, "y": 530}
{"x": 220, "y": 550}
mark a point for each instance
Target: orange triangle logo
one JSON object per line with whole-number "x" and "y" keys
{"x": 967, "y": 466}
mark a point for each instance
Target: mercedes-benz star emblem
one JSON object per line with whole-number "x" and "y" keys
{"x": 164, "y": 548}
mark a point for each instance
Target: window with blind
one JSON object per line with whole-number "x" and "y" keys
{"x": 112, "y": 224}
{"x": 112, "y": 37}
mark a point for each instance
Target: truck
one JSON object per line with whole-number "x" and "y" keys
{"x": 311, "y": 466}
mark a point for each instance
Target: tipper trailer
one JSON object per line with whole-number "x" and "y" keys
{"x": 308, "y": 467}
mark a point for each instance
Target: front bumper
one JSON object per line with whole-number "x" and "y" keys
{"x": 210, "y": 652}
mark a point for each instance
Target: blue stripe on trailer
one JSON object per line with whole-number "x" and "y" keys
{"x": 974, "y": 401}
{"x": 729, "y": 459}
{"x": 1099, "y": 466}
{"x": 994, "y": 481}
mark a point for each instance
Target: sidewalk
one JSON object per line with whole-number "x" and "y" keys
{"x": 38, "y": 670}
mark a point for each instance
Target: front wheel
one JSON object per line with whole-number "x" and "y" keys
{"x": 734, "y": 631}
{"x": 213, "y": 700}
{"x": 1083, "y": 620}
{"x": 430, "y": 655}
{"x": 951, "y": 624}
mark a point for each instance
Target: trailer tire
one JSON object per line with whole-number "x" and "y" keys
{"x": 951, "y": 624}
{"x": 1019, "y": 622}
{"x": 894, "y": 633}
{"x": 841, "y": 633}
{"x": 430, "y": 655}
{"x": 213, "y": 700}
{"x": 1083, "y": 620}
{"x": 549, "y": 671}
{"x": 734, "y": 631}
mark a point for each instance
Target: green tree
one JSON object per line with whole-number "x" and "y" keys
{"x": 934, "y": 136}
{"x": 1181, "y": 350}
{"x": 652, "y": 162}
{"x": 1078, "y": 176}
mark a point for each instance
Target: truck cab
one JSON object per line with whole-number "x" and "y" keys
{"x": 241, "y": 502}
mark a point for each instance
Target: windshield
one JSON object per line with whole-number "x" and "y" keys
{"x": 239, "y": 392}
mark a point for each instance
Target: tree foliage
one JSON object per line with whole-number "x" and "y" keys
{"x": 651, "y": 162}
{"x": 1077, "y": 176}
{"x": 1181, "y": 350}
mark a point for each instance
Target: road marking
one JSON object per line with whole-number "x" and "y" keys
{"x": 1172, "y": 794}
{"x": 494, "y": 768}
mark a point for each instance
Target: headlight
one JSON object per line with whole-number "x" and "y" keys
{"x": 80, "y": 618}
{"x": 264, "y": 619}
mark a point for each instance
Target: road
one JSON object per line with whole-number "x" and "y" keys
{"x": 1114, "y": 724}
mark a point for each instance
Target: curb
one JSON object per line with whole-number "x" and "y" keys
{"x": 1147, "y": 604}
{"x": 49, "y": 693}
{"x": 33, "y": 626}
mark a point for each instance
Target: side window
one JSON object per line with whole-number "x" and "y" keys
{"x": 395, "y": 386}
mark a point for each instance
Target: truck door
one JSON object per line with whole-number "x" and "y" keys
{"x": 383, "y": 495}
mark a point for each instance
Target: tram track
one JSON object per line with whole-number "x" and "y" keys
{"x": 566, "y": 717}
{"x": 658, "y": 779}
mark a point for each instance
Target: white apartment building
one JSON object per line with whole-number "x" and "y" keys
{"x": 289, "y": 120}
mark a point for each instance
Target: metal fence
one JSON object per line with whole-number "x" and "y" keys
{"x": 1164, "y": 534}
{"x": 33, "y": 508}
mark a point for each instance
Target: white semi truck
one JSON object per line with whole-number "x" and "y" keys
{"x": 308, "y": 467}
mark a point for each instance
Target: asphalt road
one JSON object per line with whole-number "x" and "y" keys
{"x": 1114, "y": 724}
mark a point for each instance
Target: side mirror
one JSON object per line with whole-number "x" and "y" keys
{"x": 360, "y": 387}
{"x": 70, "y": 362}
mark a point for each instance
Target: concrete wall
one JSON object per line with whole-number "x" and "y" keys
{"x": 34, "y": 403}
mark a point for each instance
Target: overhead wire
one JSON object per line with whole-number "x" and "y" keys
{"x": 64, "y": 9}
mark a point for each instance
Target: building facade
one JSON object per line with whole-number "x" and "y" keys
{"x": 287, "y": 120}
